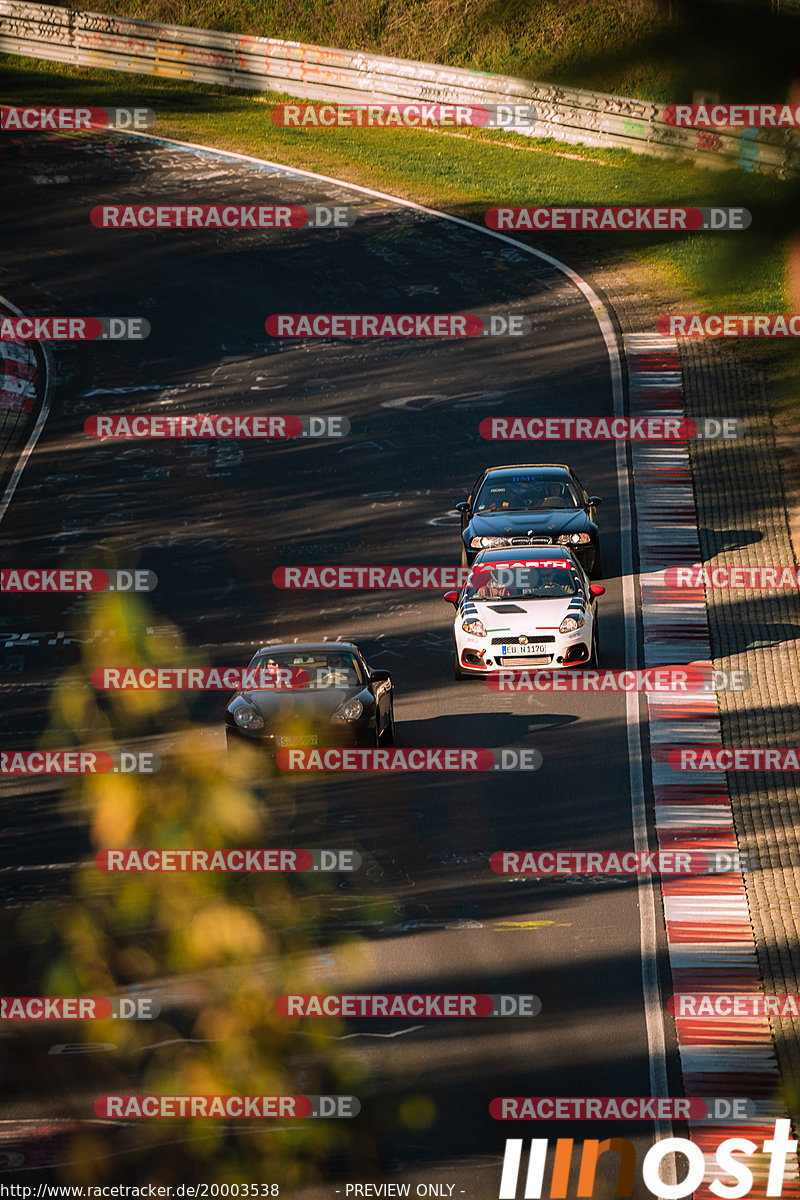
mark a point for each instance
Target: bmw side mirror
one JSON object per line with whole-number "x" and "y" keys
{"x": 451, "y": 597}
{"x": 597, "y": 589}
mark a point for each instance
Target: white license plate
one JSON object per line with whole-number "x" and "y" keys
{"x": 531, "y": 648}
{"x": 311, "y": 740}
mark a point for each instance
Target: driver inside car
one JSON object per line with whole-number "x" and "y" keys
{"x": 527, "y": 494}
{"x": 490, "y": 589}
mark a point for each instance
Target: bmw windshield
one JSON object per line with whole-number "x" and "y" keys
{"x": 507, "y": 492}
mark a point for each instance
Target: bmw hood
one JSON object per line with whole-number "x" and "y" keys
{"x": 544, "y": 523}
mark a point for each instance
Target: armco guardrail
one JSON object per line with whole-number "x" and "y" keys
{"x": 316, "y": 73}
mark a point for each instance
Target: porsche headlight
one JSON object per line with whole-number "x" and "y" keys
{"x": 570, "y": 624}
{"x": 247, "y": 717}
{"x": 350, "y": 711}
{"x": 487, "y": 543}
{"x": 475, "y": 627}
{"x": 573, "y": 539}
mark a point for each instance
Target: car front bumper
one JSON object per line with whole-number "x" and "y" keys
{"x": 354, "y": 733}
{"x": 567, "y": 650}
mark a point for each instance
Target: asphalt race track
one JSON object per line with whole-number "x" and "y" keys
{"x": 215, "y": 518}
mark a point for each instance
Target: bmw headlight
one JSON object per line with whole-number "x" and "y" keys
{"x": 350, "y": 711}
{"x": 475, "y": 627}
{"x": 487, "y": 543}
{"x": 570, "y": 624}
{"x": 573, "y": 539}
{"x": 247, "y": 717}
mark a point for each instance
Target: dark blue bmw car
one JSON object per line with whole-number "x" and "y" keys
{"x": 532, "y": 504}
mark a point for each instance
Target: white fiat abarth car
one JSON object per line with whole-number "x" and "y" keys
{"x": 525, "y": 610}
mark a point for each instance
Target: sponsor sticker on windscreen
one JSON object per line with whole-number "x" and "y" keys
{"x": 481, "y": 567}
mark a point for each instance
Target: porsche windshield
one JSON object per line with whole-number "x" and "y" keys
{"x": 312, "y": 668}
{"x": 508, "y": 492}
{"x": 521, "y": 583}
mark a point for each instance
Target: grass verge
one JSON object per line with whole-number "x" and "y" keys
{"x": 466, "y": 172}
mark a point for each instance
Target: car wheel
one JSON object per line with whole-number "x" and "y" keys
{"x": 597, "y": 568}
{"x": 593, "y": 657}
{"x": 388, "y": 732}
{"x": 464, "y": 556}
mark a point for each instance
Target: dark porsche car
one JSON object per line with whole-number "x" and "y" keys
{"x": 531, "y": 505}
{"x": 317, "y": 694}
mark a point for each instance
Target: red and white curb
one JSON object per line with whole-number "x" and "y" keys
{"x": 18, "y": 375}
{"x": 709, "y": 935}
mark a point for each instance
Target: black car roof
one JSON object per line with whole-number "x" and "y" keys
{"x": 554, "y": 468}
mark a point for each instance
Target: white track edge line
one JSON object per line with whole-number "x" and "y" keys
{"x": 35, "y": 434}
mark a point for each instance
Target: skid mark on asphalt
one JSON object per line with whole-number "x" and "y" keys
{"x": 112, "y": 1047}
{"x": 460, "y": 400}
{"x": 166, "y": 389}
{"x": 346, "y": 1037}
{"x": 515, "y": 926}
